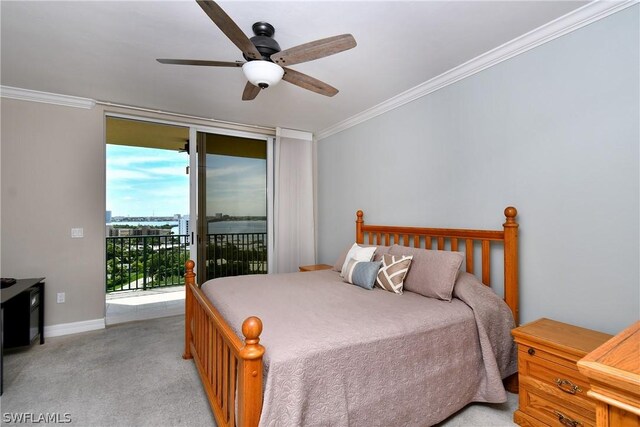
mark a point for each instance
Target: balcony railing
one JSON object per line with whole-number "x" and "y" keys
{"x": 236, "y": 254}
{"x": 145, "y": 262}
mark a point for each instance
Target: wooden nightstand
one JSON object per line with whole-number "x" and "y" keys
{"x": 315, "y": 267}
{"x": 613, "y": 370}
{"x": 552, "y": 390}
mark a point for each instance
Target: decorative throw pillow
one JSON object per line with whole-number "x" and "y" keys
{"x": 433, "y": 273}
{"x": 391, "y": 275}
{"x": 358, "y": 253}
{"x": 380, "y": 250}
{"x": 362, "y": 273}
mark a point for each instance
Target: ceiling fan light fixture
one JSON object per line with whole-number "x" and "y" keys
{"x": 262, "y": 73}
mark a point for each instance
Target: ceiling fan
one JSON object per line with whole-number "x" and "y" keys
{"x": 265, "y": 61}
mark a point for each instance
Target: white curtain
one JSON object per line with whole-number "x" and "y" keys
{"x": 294, "y": 237}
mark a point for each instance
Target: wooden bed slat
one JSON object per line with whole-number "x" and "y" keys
{"x": 218, "y": 366}
{"x": 232, "y": 391}
{"x": 231, "y": 369}
{"x": 225, "y": 377}
{"x": 486, "y": 263}
{"x": 469, "y": 255}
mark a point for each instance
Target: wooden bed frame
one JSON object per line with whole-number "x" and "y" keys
{"x": 231, "y": 368}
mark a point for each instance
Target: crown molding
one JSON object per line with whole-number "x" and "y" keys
{"x": 292, "y": 133}
{"x": 46, "y": 97}
{"x": 572, "y": 21}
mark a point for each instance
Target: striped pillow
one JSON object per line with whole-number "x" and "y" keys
{"x": 361, "y": 273}
{"x": 394, "y": 269}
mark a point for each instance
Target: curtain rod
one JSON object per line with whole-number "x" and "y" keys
{"x": 184, "y": 116}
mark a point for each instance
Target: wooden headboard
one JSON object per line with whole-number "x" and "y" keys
{"x": 419, "y": 237}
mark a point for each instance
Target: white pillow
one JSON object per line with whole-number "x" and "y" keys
{"x": 357, "y": 253}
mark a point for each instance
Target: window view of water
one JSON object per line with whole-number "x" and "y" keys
{"x": 148, "y": 228}
{"x": 214, "y": 227}
{"x": 219, "y": 227}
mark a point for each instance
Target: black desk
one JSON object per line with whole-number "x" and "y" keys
{"x": 22, "y": 286}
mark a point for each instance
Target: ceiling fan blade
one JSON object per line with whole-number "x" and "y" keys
{"x": 307, "y": 82}
{"x": 200, "y": 62}
{"x": 229, "y": 28}
{"x": 314, "y": 50}
{"x": 250, "y": 92}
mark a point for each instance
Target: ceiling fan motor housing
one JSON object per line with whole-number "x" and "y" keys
{"x": 264, "y": 41}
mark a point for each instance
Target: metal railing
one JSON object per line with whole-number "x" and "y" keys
{"x": 236, "y": 254}
{"x": 145, "y": 262}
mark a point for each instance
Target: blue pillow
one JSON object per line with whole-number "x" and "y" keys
{"x": 362, "y": 273}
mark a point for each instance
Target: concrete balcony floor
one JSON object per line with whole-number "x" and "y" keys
{"x": 128, "y": 306}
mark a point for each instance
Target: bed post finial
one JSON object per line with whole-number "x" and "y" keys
{"x": 189, "y": 275}
{"x": 511, "y": 262}
{"x": 359, "y": 222}
{"x": 511, "y": 212}
{"x": 250, "y": 374}
{"x": 189, "y": 281}
{"x": 251, "y": 329}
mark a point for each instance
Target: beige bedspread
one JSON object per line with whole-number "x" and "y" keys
{"x": 340, "y": 355}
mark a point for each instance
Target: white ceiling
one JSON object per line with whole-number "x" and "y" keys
{"x": 106, "y": 51}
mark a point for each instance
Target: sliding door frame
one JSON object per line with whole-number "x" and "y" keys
{"x": 193, "y": 198}
{"x": 193, "y": 174}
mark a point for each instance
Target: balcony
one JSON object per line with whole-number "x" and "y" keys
{"x": 151, "y": 262}
{"x": 236, "y": 254}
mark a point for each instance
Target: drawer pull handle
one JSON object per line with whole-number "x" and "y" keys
{"x": 531, "y": 351}
{"x": 567, "y": 386}
{"x": 566, "y": 420}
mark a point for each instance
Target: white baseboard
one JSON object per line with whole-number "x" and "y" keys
{"x": 73, "y": 327}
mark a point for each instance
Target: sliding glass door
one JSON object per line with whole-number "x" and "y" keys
{"x": 232, "y": 208}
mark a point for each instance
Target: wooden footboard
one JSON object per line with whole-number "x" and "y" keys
{"x": 227, "y": 366}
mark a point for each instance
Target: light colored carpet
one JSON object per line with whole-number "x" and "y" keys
{"x": 132, "y": 374}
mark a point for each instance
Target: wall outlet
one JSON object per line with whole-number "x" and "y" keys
{"x": 77, "y": 233}
{"x": 60, "y": 297}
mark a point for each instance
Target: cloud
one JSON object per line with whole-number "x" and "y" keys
{"x": 124, "y": 174}
{"x": 144, "y": 182}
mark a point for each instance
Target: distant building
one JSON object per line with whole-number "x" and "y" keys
{"x": 183, "y": 225}
{"x": 219, "y": 215}
{"x": 107, "y": 217}
{"x": 140, "y": 231}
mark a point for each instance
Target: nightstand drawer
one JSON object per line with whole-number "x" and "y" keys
{"x": 549, "y": 410}
{"x": 558, "y": 380}
{"x": 552, "y": 390}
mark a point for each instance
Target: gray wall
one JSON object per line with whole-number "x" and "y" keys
{"x": 554, "y": 132}
{"x": 52, "y": 176}
{"x": 53, "y": 172}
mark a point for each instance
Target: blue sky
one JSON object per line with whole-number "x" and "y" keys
{"x": 146, "y": 181}
{"x": 152, "y": 182}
